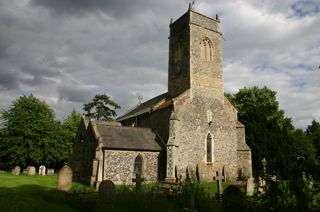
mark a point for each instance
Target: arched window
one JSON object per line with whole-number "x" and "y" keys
{"x": 178, "y": 51}
{"x": 138, "y": 165}
{"x": 206, "y": 49}
{"x": 209, "y": 148}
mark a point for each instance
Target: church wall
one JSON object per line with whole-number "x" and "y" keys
{"x": 244, "y": 156}
{"x": 190, "y": 133}
{"x": 88, "y": 156}
{"x": 119, "y": 165}
{"x": 157, "y": 120}
{"x": 76, "y": 157}
{"x": 244, "y": 161}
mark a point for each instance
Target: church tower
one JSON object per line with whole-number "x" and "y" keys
{"x": 195, "y": 60}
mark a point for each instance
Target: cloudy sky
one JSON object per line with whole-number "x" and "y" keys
{"x": 66, "y": 51}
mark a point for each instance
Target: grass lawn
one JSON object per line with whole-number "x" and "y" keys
{"x": 31, "y": 193}
{"x": 38, "y": 193}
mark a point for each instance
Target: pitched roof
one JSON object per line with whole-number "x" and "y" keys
{"x": 157, "y": 102}
{"x": 128, "y": 138}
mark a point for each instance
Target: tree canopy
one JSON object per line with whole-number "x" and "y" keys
{"x": 101, "y": 107}
{"x": 31, "y": 136}
{"x": 269, "y": 133}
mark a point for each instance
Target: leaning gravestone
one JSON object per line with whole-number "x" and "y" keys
{"x": 31, "y": 170}
{"x": 107, "y": 190}
{"x": 64, "y": 182}
{"x": 16, "y": 170}
{"x": 50, "y": 172}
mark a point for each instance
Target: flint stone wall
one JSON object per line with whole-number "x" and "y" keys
{"x": 119, "y": 165}
{"x": 190, "y": 133}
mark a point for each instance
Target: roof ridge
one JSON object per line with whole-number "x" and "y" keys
{"x": 125, "y": 126}
{"x": 141, "y": 107}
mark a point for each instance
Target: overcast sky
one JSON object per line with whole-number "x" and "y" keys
{"x": 66, "y": 51}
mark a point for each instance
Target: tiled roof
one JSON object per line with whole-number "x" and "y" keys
{"x": 145, "y": 107}
{"x": 129, "y": 138}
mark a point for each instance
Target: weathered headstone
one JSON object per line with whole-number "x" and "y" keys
{"x": 191, "y": 174}
{"x": 64, "y": 182}
{"x": 244, "y": 174}
{"x": 200, "y": 172}
{"x": 16, "y": 170}
{"x": 138, "y": 180}
{"x": 107, "y": 190}
{"x": 225, "y": 173}
{"x": 232, "y": 199}
{"x": 42, "y": 170}
{"x": 219, "y": 179}
{"x": 50, "y": 172}
{"x": 250, "y": 186}
{"x": 31, "y": 170}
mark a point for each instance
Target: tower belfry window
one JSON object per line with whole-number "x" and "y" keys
{"x": 178, "y": 51}
{"x": 206, "y": 49}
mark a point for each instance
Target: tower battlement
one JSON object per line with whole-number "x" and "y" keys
{"x": 195, "y": 59}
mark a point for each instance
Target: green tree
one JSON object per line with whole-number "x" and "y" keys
{"x": 70, "y": 128}
{"x": 28, "y": 124}
{"x": 313, "y": 133}
{"x": 267, "y": 128}
{"x": 101, "y": 108}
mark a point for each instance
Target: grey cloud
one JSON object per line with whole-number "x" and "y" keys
{"x": 118, "y": 9}
{"x": 74, "y": 93}
{"x": 65, "y": 51}
{"x": 8, "y": 80}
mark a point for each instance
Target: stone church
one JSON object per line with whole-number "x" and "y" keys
{"x": 190, "y": 130}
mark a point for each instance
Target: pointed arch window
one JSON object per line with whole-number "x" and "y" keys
{"x": 209, "y": 148}
{"x": 178, "y": 51}
{"x": 206, "y": 49}
{"x": 138, "y": 165}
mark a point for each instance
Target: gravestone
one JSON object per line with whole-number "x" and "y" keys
{"x": 219, "y": 179}
{"x": 25, "y": 171}
{"x": 64, "y": 182}
{"x": 50, "y": 172}
{"x": 191, "y": 174}
{"x": 42, "y": 170}
{"x": 200, "y": 172}
{"x": 138, "y": 180}
{"x": 16, "y": 170}
{"x": 244, "y": 174}
{"x": 107, "y": 190}
{"x": 225, "y": 174}
{"x": 232, "y": 199}
{"x": 31, "y": 170}
{"x": 250, "y": 186}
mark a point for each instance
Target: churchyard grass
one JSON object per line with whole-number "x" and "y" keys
{"x": 39, "y": 193}
{"x": 33, "y": 193}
